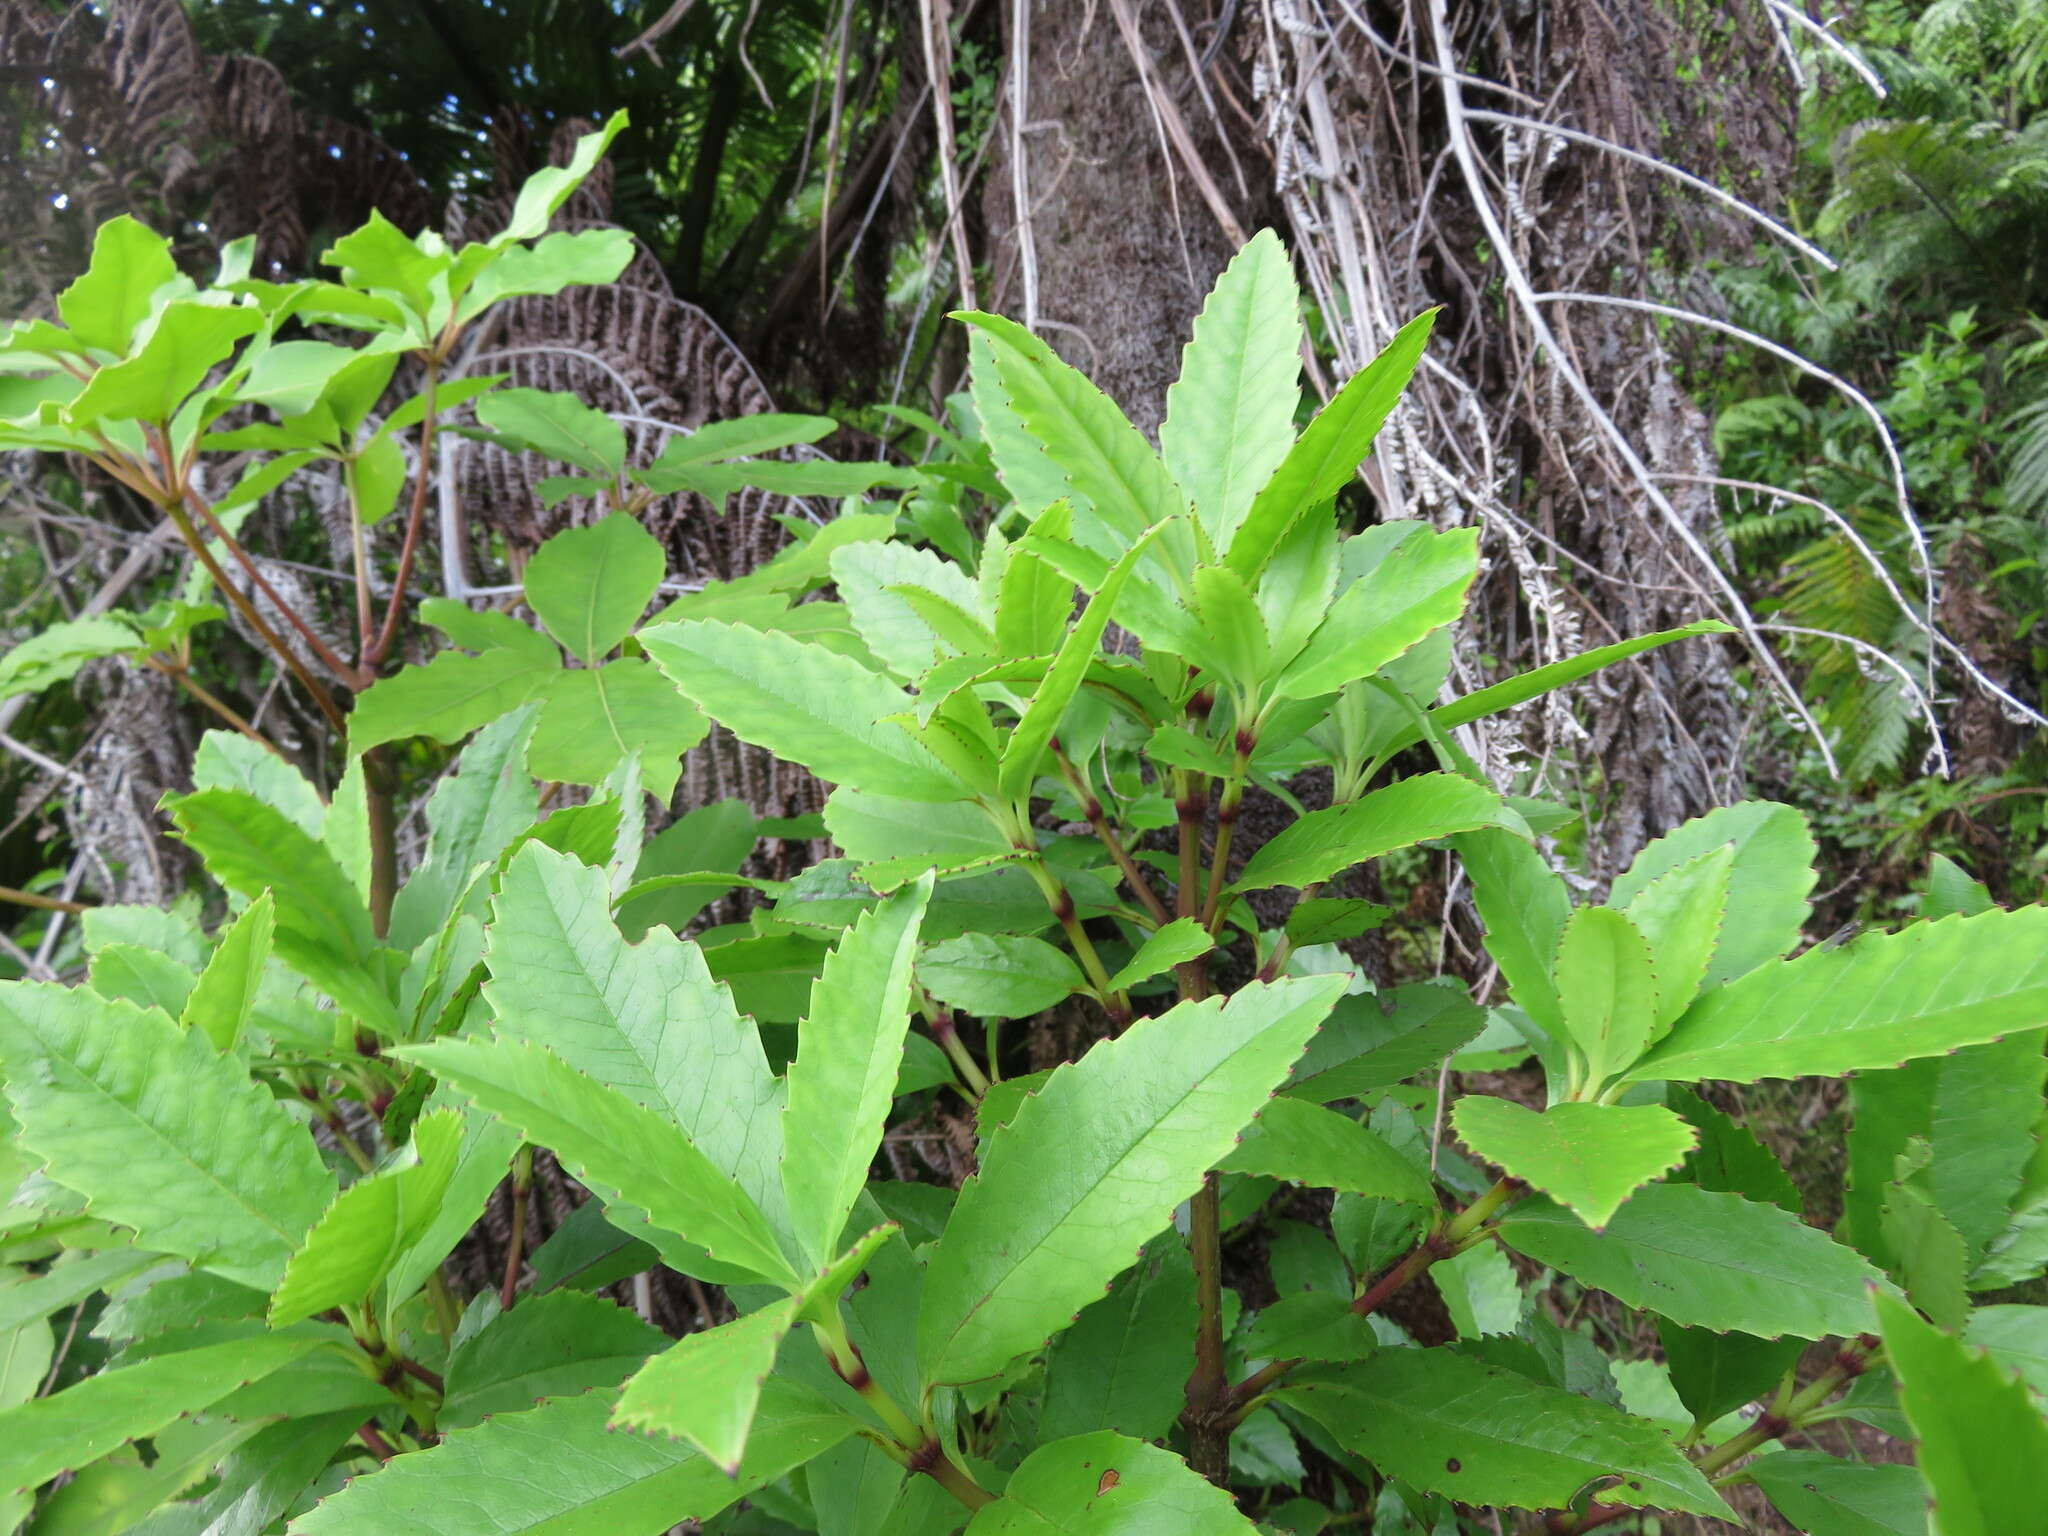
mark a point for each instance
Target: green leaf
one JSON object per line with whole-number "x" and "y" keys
{"x": 354, "y": 1246}
{"x": 1125, "y": 1362}
{"x": 1415, "y": 589}
{"x": 1524, "y": 905}
{"x": 1729, "y": 1157}
{"x": 1106, "y": 1484}
{"x": 875, "y": 827}
{"x": 1309, "y": 1325}
{"x": 1681, "y": 913}
{"x": 805, "y": 704}
{"x": 554, "y": 1344}
{"x": 1373, "y": 1042}
{"x": 1129, "y": 1129}
{"x": 1304, "y": 1143}
{"x": 1842, "y": 1498}
{"x": 715, "y": 837}
{"x": 262, "y": 1479}
{"x": 377, "y": 473}
{"x": 1706, "y": 1260}
{"x": 590, "y": 585}
{"x": 1591, "y": 1157}
{"x": 999, "y": 976}
{"x": 474, "y": 815}
{"x": 1324, "y": 843}
{"x": 1606, "y": 991}
{"x": 1327, "y": 455}
{"x": 1981, "y": 1438}
{"x": 159, "y": 1131}
{"x": 1521, "y": 688}
{"x": 189, "y": 338}
{"x": 226, "y": 992}
{"x": 141, "y": 976}
{"x": 1767, "y": 884}
{"x": 873, "y": 581}
{"x": 646, "y": 1019}
{"x": 481, "y": 1481}
{"x": 1950, "y": 890}
{"x": 1233, "y": 625}
{"x": 1182, "y": 939}
{"x": 130, "y": 262}
{"x": 625, "y": 1153}
{"x": 480, "y": 1165}
{"x": 744, "y": 436}
{"x": 2016, "y": 1337}
{"x": 1333, "y": 919}
{"x": 1873, "y": 1002}
{"x": 55, "y": 653}
{"x": 291, "y": 377}
{"x": 1926, "y": 1252}
{"x": 1716, "y": 1373}
{"x": 323, "y": 929}
{"x": 68, "y": 1280}
{"x": 226, "y": 760}
{"x": 48, "y": 1435}
{"x": 485, "y": 629}
{"x": 1230, "y": 415}
{"x": 705, "y": 1389}
{"x": 1481, "y": 1291}
{"x": 594, "y": 718}
{"x": 1033, "y": 605}
{"x": 849, "y": 1049}
{"x": 556, "y": 426}
{"x": 449, "y": 697}
{"x": 1450, "y": 1425}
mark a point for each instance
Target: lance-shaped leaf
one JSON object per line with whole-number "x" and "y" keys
{"x": 1305, "y": 1143}
{"x": 590, "y": 585}
{"x": 1525, "y": 905}
{"x": 1982, "y": 1439}
{"x": 220, "y": 1002}
{"x": 481, "y": 1481}
{"x": 1451, "y": 1425}
{"x": 646, "y": 1019}
{"x": 1327, "y": 455}
{"x": 1591, "y": 1157}
{"x": 1874, "y": 1002}
{"x": 1324, "y": 843}
{"x": 1230, "y": 414}
{"x": 1681, "y": 915}
{"x": 1767, "y": 883}
{"x": 1532, "y": 684}
{"x": 553, "y": 1344}
{"x": 1182, "y": 939}
{"x": 1606, "y": 991}
{"x": 1372, "y": 1042}
{"x": 705, "y": 1389}
{"x": 1707, "y": 1260}
{"x": 1413, "y": 591}
{"x": 1844, "y": 1498}
{"x": 354, "y": 1246}
{"x": 54, "y": 654}
{"x": 1124, "y": 1364}
{"x": 627, "y": 1155}
{"x": 556, "y": 426}
{"x": 48, "y": 1435}
{"x": 849, "y": 1049}
{"x": 1106, "y": 1484}
{"x": 1093, "y": 1165}
{"x": 474, "y": 815}
{"x": 323, "y": 929}
{"x": 159, "y": 1131}
{"x": 808, "y": 705}
{"x": 999, "y": 976}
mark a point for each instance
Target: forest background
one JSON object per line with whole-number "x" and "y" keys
{"x": 1745, "y": 315}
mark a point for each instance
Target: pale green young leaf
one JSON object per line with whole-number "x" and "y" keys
{"x": 353, "y": 1247}
{"x": 481, "y": 1481}
{"x": 130, "y": 262}
{"x": 1125, "y": 1362}
{"x": 555, "y": 1343}
{"x": 1481, "y": 1291}
{"x": 1230, "y": 415}
{"x": 226, "y": 991}
{"x": 55, "y": 653}
{"x": 871, "y": 827}
{"x": 594, "y": 718}
{"x": 159, "y": 1131}
{"x": 1033, "y": 605}
{"x": 1981, "y": 1438}
{"x": 627, "y": 1154}
{"x": 1417, "y": 588}
{"x": 999, "y": 976}
{"x": 449, "y": 697}
{"x": 745, "y": 436}
{"x": 1373, "y": 1041}
{"x": 1304, "y": 1143}
{"x": 1767, "y": 884}
{"x": 646, "y": 1019}
{"x": 1842, "y": 1498}
{"x": 1681, "y": 914}
{"x": 1533, "y": 684}
{"x": 486, "y": 629}
{"x": 1106, "y": 1484}
{"x": 345, "y": 827}
{"x": 473, "y": 816}
{"x": 1706, "y": 1260}
{"x": 1873, "y": 1002}
{"x": 1607, "y": 991}
{"x": 228, "y": 760}
{"x": 900, "y": 636}
{"x": 849, "y": 1049}
{"x": 557, "y": 260}
{"x": 1524, "y": 905}
{"x": 188, "y": 339}
{"x": 1093, "y": 1165}
{"x": 1328, "y": 453}
{"x": 141, "y": 976}
{"x": 1182, "y": 939}
{"x": 556, "y": 426}
{"x": 590, "y": 585}
{"x": 48, "y": 1435}
{"x": 1451, "y": 1425}
{"x": 544, "y": 192}
{"x": 823, "y": 711}
{"x": 1235, "y": 627}
{"x": 1324, "y": 843}
{"x": 1950, "y": 890}
{"x": 323, "y": 929}
{"x": 1590, "y": 1157}
{"x": 705, "y": 1389}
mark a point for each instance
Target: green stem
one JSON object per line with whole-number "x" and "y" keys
{"x": 1091, "y": 807}
{"x": 1226, "y": 826}
{"x": 922, "y": 1450}
{"x": 1206, "y": 1416}
{"x": 940, "y": 1021}
{"x": 522, "y": 1187}
{"x": 1061, "y": 901}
